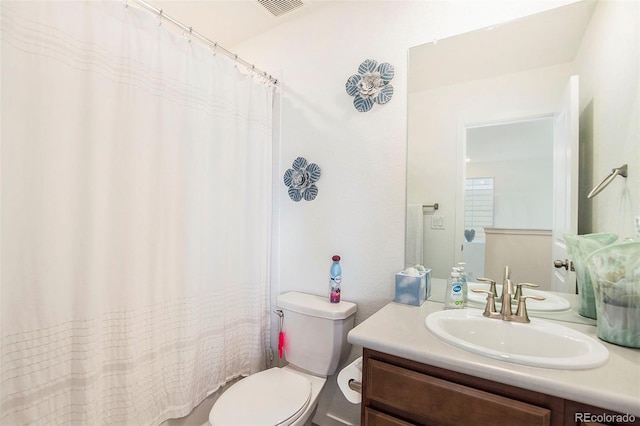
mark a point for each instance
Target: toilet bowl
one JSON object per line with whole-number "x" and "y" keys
{"x": 316, "y": 342}
{"x": 278, "y": 396}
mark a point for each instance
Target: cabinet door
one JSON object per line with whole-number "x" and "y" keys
{"x": 429, "y": 400}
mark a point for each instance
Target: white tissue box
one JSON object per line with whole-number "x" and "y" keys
{"x": 412, "y": 290}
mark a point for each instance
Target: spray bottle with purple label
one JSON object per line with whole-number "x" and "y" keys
{"x": 336, "y": 278}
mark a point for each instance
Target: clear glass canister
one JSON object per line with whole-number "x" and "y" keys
{"x": 615, "y": 272}
{"x": 578, "y": 248}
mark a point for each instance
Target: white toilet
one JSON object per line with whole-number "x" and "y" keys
{"x": 315, "y": 343}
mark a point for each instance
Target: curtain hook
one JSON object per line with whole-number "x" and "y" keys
{"x": 160, "y": 17}
{"x": 235, "y": 60}
{"x": 187, "y": 33}
{"x": 126, "y": 4}
{"x": 215, "y": 48}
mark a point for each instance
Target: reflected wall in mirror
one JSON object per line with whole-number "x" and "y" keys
{"x": 509, "y": 72}
{"x": 508, "y": 190}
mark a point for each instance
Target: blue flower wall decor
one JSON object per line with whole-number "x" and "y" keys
{"x": 371, "y": 84}
{"x": 301, "y": 179}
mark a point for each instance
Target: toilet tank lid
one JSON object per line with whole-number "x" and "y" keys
{"x": 316, "y": 306}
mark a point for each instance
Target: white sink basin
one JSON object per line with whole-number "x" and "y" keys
{"x": 552, "y": 302}
{"x": 539, "y": 343}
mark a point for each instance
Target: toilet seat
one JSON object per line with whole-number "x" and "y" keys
{"x": 270, "y": 397}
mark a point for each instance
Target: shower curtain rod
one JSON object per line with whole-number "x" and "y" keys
{"x": 212, "y": 44}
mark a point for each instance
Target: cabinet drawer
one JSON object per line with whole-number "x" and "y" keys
{"x": 376, "y": 418}
{"x": 429, "y": 400}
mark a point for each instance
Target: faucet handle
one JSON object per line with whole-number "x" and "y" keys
{"x": 492, "y": 285}
{"x": 490, "y": 308}
{"x": 521, "y": 313}
{"x": 519, "y": 289}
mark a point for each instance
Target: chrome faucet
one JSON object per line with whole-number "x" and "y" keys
{"x": 521, "y": 314}
{"x": 506, "y": 313}
{"x": 492, "y": 286}
{"x": 519, "y": 289}
{"x": 507, "y": 292}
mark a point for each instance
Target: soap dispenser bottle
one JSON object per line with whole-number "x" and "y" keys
{"x": 463, "y": 279}
{"x": 454, "y": 298}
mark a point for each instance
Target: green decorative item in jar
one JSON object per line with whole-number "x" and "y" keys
{"x": 615, "y": 272}
{"x": 578, "y": 248}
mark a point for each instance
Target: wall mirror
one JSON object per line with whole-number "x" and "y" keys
{"x": 481, "y": 112}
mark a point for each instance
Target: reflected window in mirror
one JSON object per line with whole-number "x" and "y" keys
{"x": 478, "y": 208}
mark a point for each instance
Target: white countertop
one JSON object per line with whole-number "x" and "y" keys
{"x": 400, "y": 330}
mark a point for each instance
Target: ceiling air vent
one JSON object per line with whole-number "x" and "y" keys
{"x": 280, "y": 7}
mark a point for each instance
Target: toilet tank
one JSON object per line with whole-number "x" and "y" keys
{"x": 315, "y": 331}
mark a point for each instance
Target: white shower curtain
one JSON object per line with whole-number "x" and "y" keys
{"x": 136, "y": 170}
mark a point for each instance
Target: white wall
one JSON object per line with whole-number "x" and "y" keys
{"x": 608, "y": 62}
{"x": 523, "y": 192}
{"x": 360, "y": 209}
{"x": 519, "y": 156}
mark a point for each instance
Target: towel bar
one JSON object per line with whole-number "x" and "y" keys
{"x": 622, "y": 171}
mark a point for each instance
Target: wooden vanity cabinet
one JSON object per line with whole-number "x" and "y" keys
{"x": 400, "y": 392}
